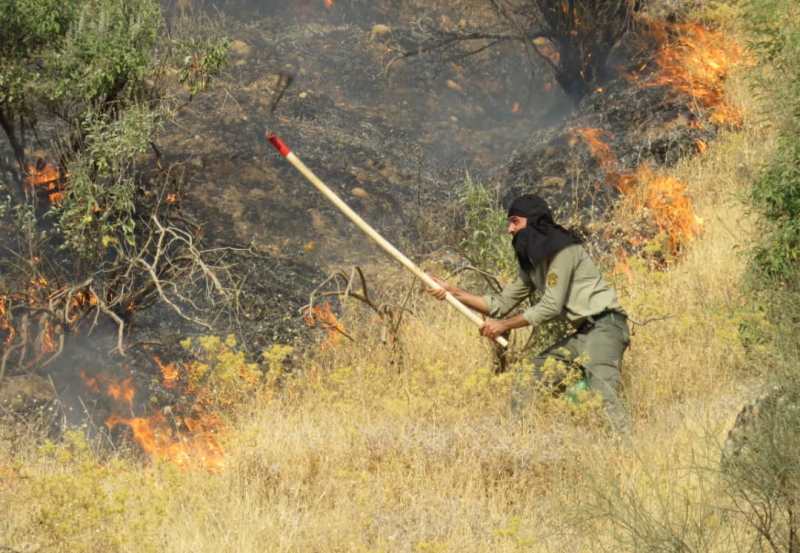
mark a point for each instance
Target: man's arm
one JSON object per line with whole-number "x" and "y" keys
{"x": 478, "y": 303}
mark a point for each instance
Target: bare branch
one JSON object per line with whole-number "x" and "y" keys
{"x": 101, "y": 306}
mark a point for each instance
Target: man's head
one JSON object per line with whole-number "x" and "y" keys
{"x": 536, "y": 236}
{"x": 530, "y": 207}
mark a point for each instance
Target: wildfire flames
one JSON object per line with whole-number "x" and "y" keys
{"x": 46, "y": 177}
{"x": 324, "y": 317}
{"x": 30, "y": 331}
{"x": 664, "y": 197}
{"x": 188, "y": 441}
{"x": 5, "y": 323}
{"x": 696, "y": 61}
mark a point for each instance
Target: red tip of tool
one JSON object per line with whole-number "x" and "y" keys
{"x": 279, "y": 145}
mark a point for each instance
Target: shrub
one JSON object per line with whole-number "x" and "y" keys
{"x": 483, "y": 241}
{"x": 92, "y": 505}
{"x": 775, "y": 28}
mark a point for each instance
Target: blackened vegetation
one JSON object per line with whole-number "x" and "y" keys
{"x": 583, "y": 32}
{"x": 641, "y": 125}
{"x": 99, "y": 261}
{"x": 573, "y": 38}
{"x": 392, "y": 135}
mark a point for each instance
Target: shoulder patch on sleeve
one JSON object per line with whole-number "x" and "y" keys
{"x": 552, "y": 279}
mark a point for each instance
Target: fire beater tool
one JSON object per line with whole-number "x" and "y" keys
{"x": 284, "y": 150}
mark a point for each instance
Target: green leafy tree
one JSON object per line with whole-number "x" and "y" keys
{"x": 88, "y": 77}
{"x": 92, "y": 83}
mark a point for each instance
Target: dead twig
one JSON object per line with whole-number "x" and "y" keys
{"x": 391, "y": 315}
{"x": 101, "y": 306}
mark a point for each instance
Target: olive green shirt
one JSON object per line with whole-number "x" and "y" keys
{"x": 572, "y": 287}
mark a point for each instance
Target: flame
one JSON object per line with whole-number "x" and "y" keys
{"x": 665, "y": 197}
{"x": 701, "y": 145}
{"x": 668, "y": 201}
{"x": 34, "y": 338}
{"x": 324, "y": 316}
{"x": 47, "y": 177}
{"x": 48, "y": 338}
{"x": 5, "y": 322}
{"x": 696, "y": 61}
{"x": 159, "y": 439}
{"x": 82, "y": 299}
{"x": 123, "y": 392}
{"x": 169, "y": 373}
{"x": 188, "y": 441}
{"x": 596, "y": 141}
{"x": 91, "y": 382}
{"x": 329, "y": 4}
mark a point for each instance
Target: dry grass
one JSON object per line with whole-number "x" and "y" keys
{"x": 366, "y": 450}
{"x": 696, "y": 351}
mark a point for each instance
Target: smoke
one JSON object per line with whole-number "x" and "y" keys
{"x": 464, "y": 112}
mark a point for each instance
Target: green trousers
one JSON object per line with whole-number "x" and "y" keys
{"x": 598, "y": 349}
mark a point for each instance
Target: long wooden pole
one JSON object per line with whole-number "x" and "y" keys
{"x": 372, "y": 233}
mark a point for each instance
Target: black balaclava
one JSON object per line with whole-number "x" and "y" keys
{"x": 542, "y": 238}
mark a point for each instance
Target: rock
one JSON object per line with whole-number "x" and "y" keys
{"x": 751, "y": 441}
{"x": 241, "y": 48}
{"x": 197, "y": 163}
{"x": 359, "y": 192}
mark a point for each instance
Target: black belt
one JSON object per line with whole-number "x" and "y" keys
{"x": 590, "y": 321}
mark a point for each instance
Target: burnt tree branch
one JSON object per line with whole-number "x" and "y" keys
{"x": 17, "y": 147}
{"x": 447, "y": 39}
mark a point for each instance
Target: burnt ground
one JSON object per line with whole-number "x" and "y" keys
{"x": 394, "y": 140}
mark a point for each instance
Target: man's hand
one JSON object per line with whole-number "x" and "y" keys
{"x": 439, "y": 293}
{"x": 493, "y": 328}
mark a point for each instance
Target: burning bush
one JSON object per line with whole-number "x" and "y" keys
{"x": 95, "y": 81}
{"x": 211, "y": 386}
{"x": 694, "y": 61}
{"x": 661, "y": 200}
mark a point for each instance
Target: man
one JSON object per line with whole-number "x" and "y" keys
{"x": 553, "y": 260}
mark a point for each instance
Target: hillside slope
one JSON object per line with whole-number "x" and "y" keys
{"x": 409, "y": 444}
